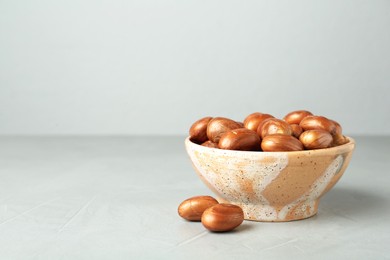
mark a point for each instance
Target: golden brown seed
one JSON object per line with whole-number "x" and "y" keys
{"x": 297, "y": 130}
{"x": 210, "y": 144}
{"x": 240, "y": 139}
{"x": 339, "y": 139}
{"x": 241, "y": 124}
{"x": 222, "y": 217}
{"x": 253, "y": 121}
{"x": 296, "y": 117}
{"x": 279, "y": 143}
{"x": 198, "y": 130}
{"x": 274, "y": 126}
{"x": 318, "y": 123}
{"x": 218, "y": 126}
{"x": 261, "y": 125}
{"x": 193, "y": 208}
{"x": 338, "y": 130}
{"x": 316, "y": 139}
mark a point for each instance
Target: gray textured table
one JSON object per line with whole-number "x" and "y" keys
{"x": 117, "y": 198}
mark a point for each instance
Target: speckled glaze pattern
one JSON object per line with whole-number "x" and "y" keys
{"x": 271, "y": 186}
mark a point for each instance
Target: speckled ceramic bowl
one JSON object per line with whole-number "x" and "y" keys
{"x": 271, "y": 186}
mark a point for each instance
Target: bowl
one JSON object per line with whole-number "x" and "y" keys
{"x": 271, "y": 186}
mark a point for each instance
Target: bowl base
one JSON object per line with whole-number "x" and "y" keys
{"x": 267, "y": 213}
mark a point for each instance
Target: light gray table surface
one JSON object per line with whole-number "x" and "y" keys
{"x": 117, "y": 198}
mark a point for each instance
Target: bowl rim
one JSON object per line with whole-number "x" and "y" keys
{"x": 336, "y": 149}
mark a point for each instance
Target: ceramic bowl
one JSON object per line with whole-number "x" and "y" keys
{"x": 271, "y": 186}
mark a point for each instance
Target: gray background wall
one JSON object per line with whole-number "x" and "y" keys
{"x": 153, "y": 67}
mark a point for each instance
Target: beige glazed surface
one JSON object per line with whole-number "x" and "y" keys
{"x": 271, "y": 186}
